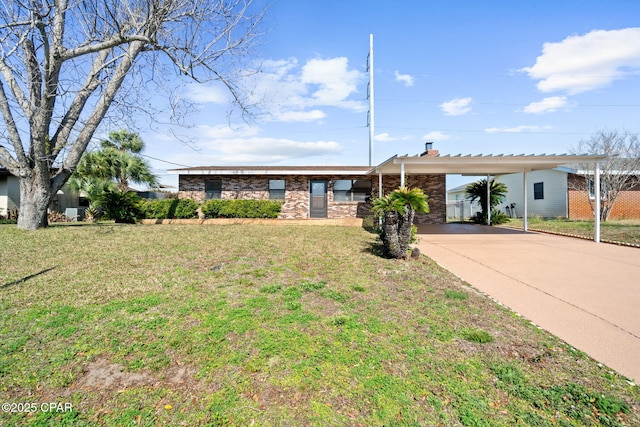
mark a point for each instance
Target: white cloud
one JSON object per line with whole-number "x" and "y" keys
{"x": 334, "y": 81}
{"x": 581, "y": 63}
{"x": 405, "y": 79}
{"x": 436, "y": 136}
{"x": 300, "y": 116}
{"x": 225, "y": 145}
{"x": 206, "y": 94}
{"x": 285, "y": 90}
{"x": 517, "y": 129}
{"x": 547, "y": 105}
{"x": 385, "y": 137}
{"x": 456, "y": 107}
{"x": 222, "y": 132}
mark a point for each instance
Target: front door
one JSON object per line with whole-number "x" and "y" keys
{"x": 318, "y": 199}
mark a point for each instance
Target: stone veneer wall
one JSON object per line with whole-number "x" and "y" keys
{"x": 433, "y": 185}
{"x": 296, "y": 204}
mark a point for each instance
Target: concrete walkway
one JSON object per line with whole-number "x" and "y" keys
{"x": 586, "y": 293}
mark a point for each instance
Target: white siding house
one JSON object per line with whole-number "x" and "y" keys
{"x": 10, "y": 195}
{"x": 546, "y": 193}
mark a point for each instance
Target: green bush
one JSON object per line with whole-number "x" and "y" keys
{"x": 121, "y": 206}
{"x": 169, "y": 208}
{"x": 217, "y": 208}
{"x": 497, "y": 217}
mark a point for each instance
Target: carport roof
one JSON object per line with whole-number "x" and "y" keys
{"x": 479, "y": 164}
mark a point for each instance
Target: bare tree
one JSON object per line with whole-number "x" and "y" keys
{"x": 65, "y": 64}
{"x": 620, "y": 171}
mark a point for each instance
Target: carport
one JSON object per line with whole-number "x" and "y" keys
{"x": 587, "y": 295}
{"x": 488, "y": 165}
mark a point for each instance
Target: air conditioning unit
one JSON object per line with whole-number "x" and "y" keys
{"x": 74, "y": 214}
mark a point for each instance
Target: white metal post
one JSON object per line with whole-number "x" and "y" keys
{"x": 380, "y": 184}
{"x": 371, "y": 104}
{"x": 488, "y": 200}
{"x": 402, "y": 173}
{"x": 596, "y": 235}
{"x": 525, "y": 208}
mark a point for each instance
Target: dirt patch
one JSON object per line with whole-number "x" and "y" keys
{"x": 103, "y": 375}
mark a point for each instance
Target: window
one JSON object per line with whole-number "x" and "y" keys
{"x": 538, "y": 191}
{"x": 592, "y": 189}
{"x": 213, "y": 189}
{"x": 351, "y": 190}
{"x": 276, "y": 189}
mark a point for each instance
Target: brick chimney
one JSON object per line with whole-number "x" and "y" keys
{"x": 429, "y": 151}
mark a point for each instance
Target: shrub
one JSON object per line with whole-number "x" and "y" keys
{"x": 121, "y": 206}
{"x": 217, "y": 208}
{"x": 497, "y": 217}
{"x": 169, "y": 208}
{"x": 186, "y": 208}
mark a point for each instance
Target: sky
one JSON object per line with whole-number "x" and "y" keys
{"x": 473, "y": 77}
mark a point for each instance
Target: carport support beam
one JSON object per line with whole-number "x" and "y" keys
{"x": 596, "y": 232}
{"x": 525, "y": 208}
{"x": 488, "y": 199}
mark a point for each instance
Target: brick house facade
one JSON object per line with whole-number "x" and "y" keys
{"x": 626, "y": 206}
{"x": 254, "y": 183}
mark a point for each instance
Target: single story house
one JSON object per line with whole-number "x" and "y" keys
{"x": 331, "y": 192}
{"x": 561, "y": 192}
{"x": 346, "y": 191}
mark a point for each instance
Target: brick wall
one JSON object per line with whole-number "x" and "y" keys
{"x": 433, "y": 185}
{"x": 627, "y": 204}
{"x": 296, "y": 204}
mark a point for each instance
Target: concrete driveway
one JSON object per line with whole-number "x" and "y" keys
{"x": 586, "y": 293}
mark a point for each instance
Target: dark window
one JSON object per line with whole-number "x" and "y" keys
{"x": 351, "y": 190}
{"x": 276, "y": 189}
{"x": 213, "y": 189}
{"x": 538, "y": 191}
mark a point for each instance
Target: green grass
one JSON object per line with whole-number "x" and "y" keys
{"x": 273, "y": 326}
{"x": 625, "y": 231}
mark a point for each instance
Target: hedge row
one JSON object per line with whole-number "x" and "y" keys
{"x": 169, "y": 208}
{"x": 215, "y": 208}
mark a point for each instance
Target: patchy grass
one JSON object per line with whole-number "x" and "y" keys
{"x": 273, "y": 326}
{"x": 625, "y": 231}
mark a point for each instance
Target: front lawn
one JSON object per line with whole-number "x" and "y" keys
{"x": 625, "y": 231}
{"x": 239, "y": 325}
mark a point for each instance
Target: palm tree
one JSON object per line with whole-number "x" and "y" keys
{"x": 118, "y": 161}
{"x": 398, "y": 210}
{"x": 477, "y": 191}
{"x": 104, "y": 175}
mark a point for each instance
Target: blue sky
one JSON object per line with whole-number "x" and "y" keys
{"x": 474, "y": 77}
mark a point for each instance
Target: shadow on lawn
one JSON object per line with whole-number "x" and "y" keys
{"x": 24, "y": 279}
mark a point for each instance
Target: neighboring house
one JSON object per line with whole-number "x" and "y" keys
{"x": 546, "y": 194}
{"x": 459, "y": 208}
{"x": 10, "y": 195}
{"x": 560, "y": 192}
{"x": 306, "y": 191}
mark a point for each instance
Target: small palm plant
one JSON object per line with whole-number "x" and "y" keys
{"x": 397, "y": 210}
{"x": 477, "y": 191}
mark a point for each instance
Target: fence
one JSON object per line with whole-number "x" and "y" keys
{"x": 461, "y": 210}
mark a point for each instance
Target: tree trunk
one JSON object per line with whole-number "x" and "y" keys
{"x": 35, "y": 196}
{"x": 390, "y": 236}
{"x": 404, "y": 230}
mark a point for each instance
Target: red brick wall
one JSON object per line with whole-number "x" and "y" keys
{"x": 627, "y": 205}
